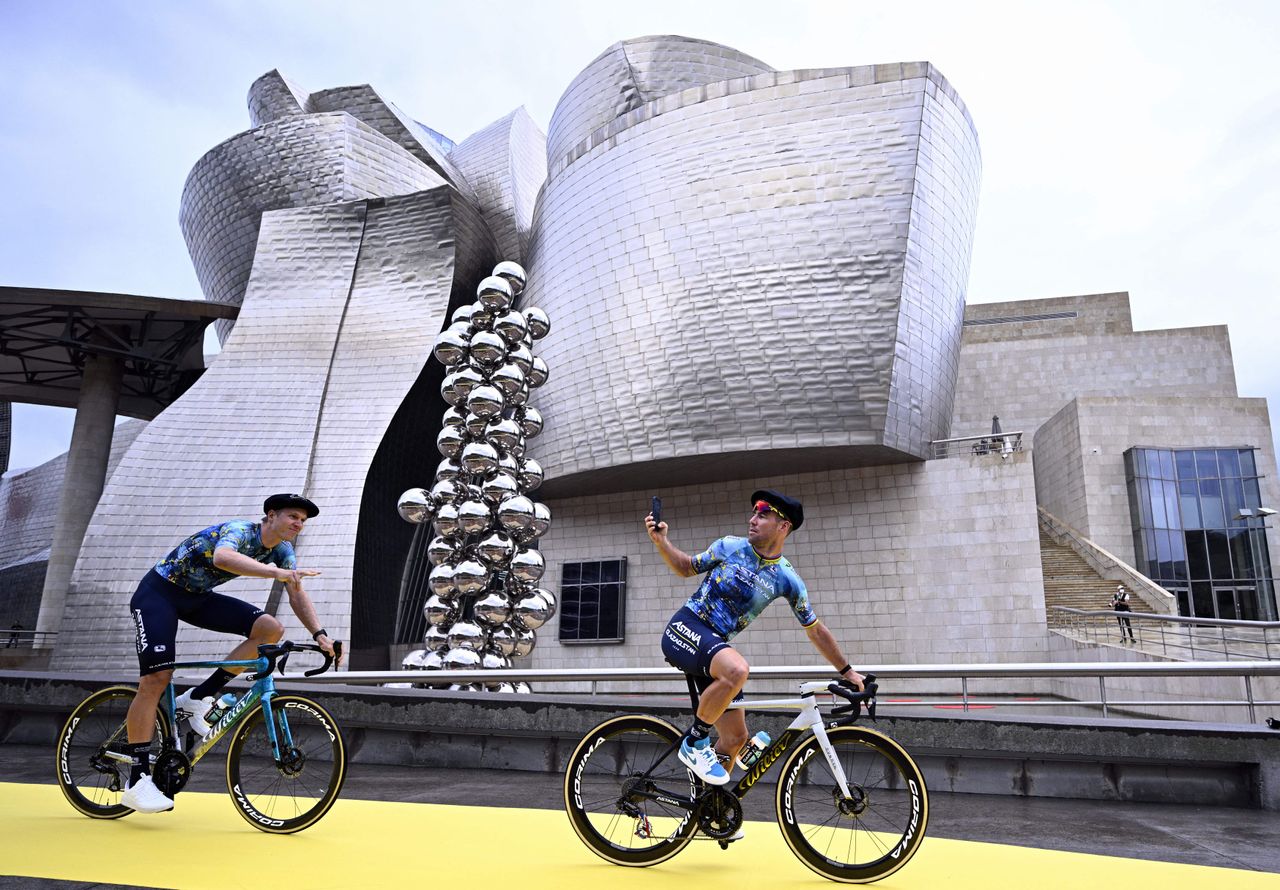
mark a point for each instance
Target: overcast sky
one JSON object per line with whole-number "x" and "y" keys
{"x": 1126, "y": 146}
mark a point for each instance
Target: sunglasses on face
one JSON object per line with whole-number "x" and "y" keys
{"x": 764, "y": 508}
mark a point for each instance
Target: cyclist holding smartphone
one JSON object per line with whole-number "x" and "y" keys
{"x": 180, "y": 586}
{"x": 743, "y": 575}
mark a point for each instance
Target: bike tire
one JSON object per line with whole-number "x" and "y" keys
{"x": 868, "y": 837}
{"x": 91, "y": 782}
{"x": 286, "y": 798}
{"x": 614, "y": 752}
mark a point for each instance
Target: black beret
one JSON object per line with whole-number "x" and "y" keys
{"x": 792, "y": 509}
{"x": 285, "y": 501}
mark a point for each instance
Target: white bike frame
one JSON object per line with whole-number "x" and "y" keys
{"x": 808, "y": 718}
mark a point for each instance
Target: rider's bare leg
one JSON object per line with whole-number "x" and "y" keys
{"x": 141, "y": 719}
{"x": 732, "y": 732}
{"x": 729, "y": 671}
{"x": 266, "y": 629}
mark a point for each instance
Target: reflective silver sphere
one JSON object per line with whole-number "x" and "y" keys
{"x": 513, "y": 273}
{"x": 541, "y": 519}
{"x": 496, "y": 551}
{"x": 475, "y": 425}
{"x": 432, "y": 660}
{"x": 457, "y": 659}
{"x": 454, "y": 418}
{"x": 462, "y": 328}
{"x": 443, "y": 492}
{"x": 450, "y": 347}
{"x": 436, "y": 639}
{"x": 479, "y": 458}
{"x": 440, "y": 610}
{"x": 447, "y": 470}
{"x": 504, "y": 432}
{"x": 548, "y": 597}
{"x": 524, "y": 536}
{"x": 530, "y": 420}
{"x": 449, "y": 388}
{"x": 539, "y": 322}
{"x": 494, "y": 661}
{"x": 486, "y": 401}
{"x": 516, "y": 512}
{"x": 442, "y": 550}
{"x": 488, "y": 348}
{"x": 462, "y": 314}
{"x": 474, "y": 517}
{"x": 523, "y": 688}
{"x": 525, "y": 641}
{"x": 498, "y": 487}
{"x": 522, "y": 357}
{"x": 416, "y": 506}
{"x": 519, "y": 397}
{"x": 509, "y": 465}
{"x": 471, "y": 577}
{"x": 503, "y": 639}
{"x": 527, "y": 566}
{"x": 530, "y": 474}
{"x": 465, "y": 380}
{"x": 508, "y": 378}
{"x": 450, "y": 441}
{"x": 441, "y": 581}
{"x": 533, "y": 611}
{"x": 446, "y": 517}
{"x": 505, "y": 688}
{"x": 494, "y": 293}
{"x": 413, "y": 660}
{"x": 492, "y": 610}
{"x": 481, "y": 319}
{"x": 467, "y": 635}
{"x": 511, "y": 326}
{"x": 539, "y": 372}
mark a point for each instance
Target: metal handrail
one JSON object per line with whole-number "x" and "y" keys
{"x": 23, "y": 639}
{"x": 1247, "y": 671}
{"x": 1174, "y": 636}
{"x": 1003, "y": 444}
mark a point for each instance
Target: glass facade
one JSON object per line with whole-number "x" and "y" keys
{"x": 1189, "y": 534}
{"x": 593, "y": 601}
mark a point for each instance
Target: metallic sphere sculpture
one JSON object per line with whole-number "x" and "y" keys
{"x": 484, "y": 606}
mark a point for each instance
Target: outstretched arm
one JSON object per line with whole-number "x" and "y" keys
{"x": 825, "y": 643}
{"x": 231, "y": 560}
{"x": 300, "y": 602}
{"x": 680, "y": 562}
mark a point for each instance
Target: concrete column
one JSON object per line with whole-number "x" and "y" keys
{"x": 86, "y": 474}
{"x": 6, "y": 434}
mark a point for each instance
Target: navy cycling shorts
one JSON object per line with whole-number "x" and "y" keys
{"x": 689, "y": 644}
{"x": 156, "y": 607}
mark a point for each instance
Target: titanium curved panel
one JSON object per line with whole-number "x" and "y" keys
{"x": 335, "y": 330}
{"x": 632, "y": 72}
{"x": 293, "y": 162}
{"x": 273, "y": 96}
{"x": 729, "y": 275}
{"x": 506, "y": 165}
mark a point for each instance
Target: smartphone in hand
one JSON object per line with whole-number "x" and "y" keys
{"x": 655, "y": 508}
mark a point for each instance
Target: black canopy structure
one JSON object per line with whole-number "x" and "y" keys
{"x": 47, "y": 335}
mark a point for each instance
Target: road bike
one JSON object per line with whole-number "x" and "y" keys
{"x": 851, "y": 803}
{"x": 286, "y": 761}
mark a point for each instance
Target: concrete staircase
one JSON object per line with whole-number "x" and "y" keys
{"x": 1070, "y": 581}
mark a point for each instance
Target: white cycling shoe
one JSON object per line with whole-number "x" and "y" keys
{"x": 145, "y": 797}
{"x": 195, "y": 710}
{"x": 700, "y": 758}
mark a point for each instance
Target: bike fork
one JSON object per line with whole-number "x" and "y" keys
{"x": 820, "y": 733}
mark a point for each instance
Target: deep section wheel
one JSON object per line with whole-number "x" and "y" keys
{"x": 91, "y": 765}
{"x": 871, "y": 833}
{"x": 294, "y": 792}
{"x": 624, "y": 798}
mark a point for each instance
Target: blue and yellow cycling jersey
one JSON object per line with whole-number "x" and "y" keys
{"x": 740, "y": 583}
{"x": 190, "y": 564}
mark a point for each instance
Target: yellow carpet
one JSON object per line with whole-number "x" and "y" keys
{"x": 360, "y": 843}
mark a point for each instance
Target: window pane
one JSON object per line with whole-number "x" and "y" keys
{"x": 1144, "y": 504}
{"x": 1241, "y": 557}
{"x": 1197, "y": 555}
{"x": 1211, "y": 504}
{"x": 571, "y": 573}
{"x": 1248, "y": 599}
{"x": 609, "y": 618}
{"x": 1153, "y": 567}
{"x": 1179, "y": 551}
{"x": 1184, "y": 602}
{"x": 1219, "y": 555}
{"x": 1207, "y": 464}
{"x": 1246, "y": 463}
{"x": 1158, "y": 519}
{"x": 590, "y": 572}
{"x": 1166, "y": 465}
{"x": 1229, "y": 462}
{"x": 610, "y": 571}
{"x": 1164, "y": 553}
{"x": 1233, "y": 495}
{"x": 1171, "y": 504}
{"x": 1226, "y": 603}
{"x": 1252, "y": 498}
{"x": 1186, "y": 461}
{"x": 1189, "y": 503}
{"x": 1202, "y": 599}
{"x": 569, "y": 614}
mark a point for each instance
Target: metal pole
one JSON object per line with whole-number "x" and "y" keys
{"x": 964, "y": 693}
{"x": 1102, "y": 693}
{"x": 1248, "y": 696}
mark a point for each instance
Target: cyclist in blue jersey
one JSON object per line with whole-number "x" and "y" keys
{"x": 743, "y": 575}
{"x": 180, "y": 586}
